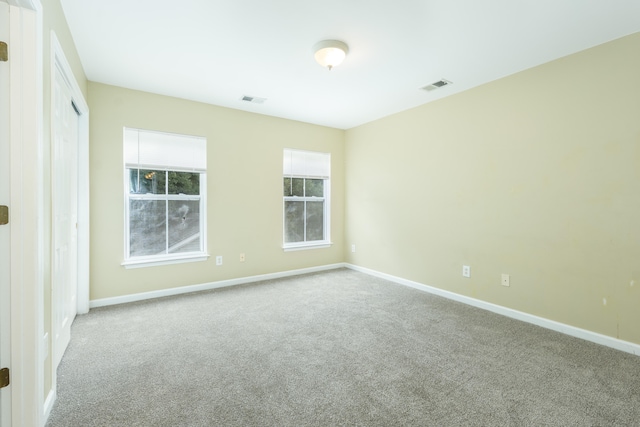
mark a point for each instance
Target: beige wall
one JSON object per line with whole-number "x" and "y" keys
{"x": 536, "y": 175}
{"x": 244, "y": 159}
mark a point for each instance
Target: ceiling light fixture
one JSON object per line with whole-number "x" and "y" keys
{"x": 330, "y": 53}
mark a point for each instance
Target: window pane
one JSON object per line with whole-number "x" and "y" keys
{"x": 144, "y": 181}
{"x": 315, "y": 221}
{"x": 293, "y": 187}
{"x": 147, "y": 234}
{"x": 294, "y": 222}
{"x": 184, "y": 183}
{"x": 314, "y": 188}
{"x": 287, "y": 187}
{"x": 184, "y": 226}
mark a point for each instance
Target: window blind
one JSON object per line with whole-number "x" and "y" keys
{"x": 306, "y": 164}
{"x": 164, "y": 151}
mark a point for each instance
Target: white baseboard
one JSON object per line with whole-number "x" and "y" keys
{"x": 584, "y": 334}
{"x": 207, "y": 286}
{"x": 48, "y": 404}
{"x": 573, "y": 331}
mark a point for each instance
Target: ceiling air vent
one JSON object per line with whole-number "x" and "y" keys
{"x": 253, "y": 99}
{"x": 436, "y": 85}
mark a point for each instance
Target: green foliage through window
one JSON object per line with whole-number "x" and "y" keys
{"x": 145, "y": 181}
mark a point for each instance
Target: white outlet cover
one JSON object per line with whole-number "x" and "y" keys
{"x": 466, "y": 271}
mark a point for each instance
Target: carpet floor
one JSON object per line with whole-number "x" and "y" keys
{"x": 338, "y": 348}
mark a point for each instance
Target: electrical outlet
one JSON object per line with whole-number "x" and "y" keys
{"x": 505, "y": 280}
{"x": 241, "y": 257}
{"x": 219, "y": 260}
{"x": 353, "y": 248}
{"x": 466, "y": 271}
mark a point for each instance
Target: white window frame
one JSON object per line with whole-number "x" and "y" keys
{"x": 301, "y": 171}
{"x": 165, "y": 258}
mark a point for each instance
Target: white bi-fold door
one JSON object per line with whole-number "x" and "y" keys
{"x": 64, "y": 196}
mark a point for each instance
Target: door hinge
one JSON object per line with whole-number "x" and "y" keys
{"x": 4, "y": 377}
{"x": 4, "y": 52}
{"x": 4, "y": 215}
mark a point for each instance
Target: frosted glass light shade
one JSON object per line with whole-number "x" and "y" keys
{"x": 330, "y": 53}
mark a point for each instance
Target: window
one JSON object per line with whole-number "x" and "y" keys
{"x": 165, "y": 192}
{"x": 306, "y": 176}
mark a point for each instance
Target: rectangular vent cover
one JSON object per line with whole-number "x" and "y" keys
{"x": 436, "y": 85}
{"x": 253, "y": 99}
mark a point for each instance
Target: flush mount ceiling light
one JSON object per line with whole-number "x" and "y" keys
{"x": 330, "y": 53}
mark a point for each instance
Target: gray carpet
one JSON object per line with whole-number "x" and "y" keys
{"x": 338, "y": 348}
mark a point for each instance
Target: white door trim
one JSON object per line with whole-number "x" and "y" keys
{"x": 5, "y": 236}
{"x": 27, "y": 208}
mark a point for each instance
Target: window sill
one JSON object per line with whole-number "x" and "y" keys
{"x": 305, "y": 246}
{"x": 166, "y": 260}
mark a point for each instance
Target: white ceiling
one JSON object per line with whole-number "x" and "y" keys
{"x": 216, "y": 51}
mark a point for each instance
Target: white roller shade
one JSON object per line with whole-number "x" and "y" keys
{"x": 164, "y": 151}
{"x": 307, "y": 164}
